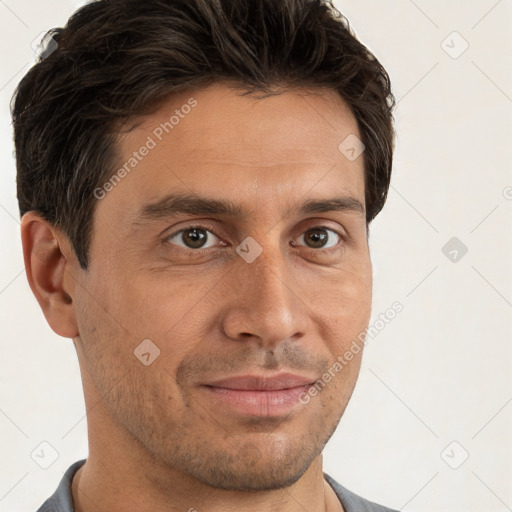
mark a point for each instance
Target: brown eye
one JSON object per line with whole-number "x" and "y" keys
{"x": 192, "y": 238}
{"x": 320, "y": 238}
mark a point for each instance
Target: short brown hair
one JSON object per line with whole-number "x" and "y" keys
{"x": 115, "y": 59}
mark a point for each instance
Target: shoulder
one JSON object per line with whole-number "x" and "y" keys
{"x": 352, "y": 502}
{"x": 62, "y": 499}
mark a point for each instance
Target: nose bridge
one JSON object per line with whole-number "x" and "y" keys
{"x": 267, "y": 306}
{"x": 271, "y": 291}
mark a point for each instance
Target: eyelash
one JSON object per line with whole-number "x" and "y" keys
{"x": 211, "y": 230}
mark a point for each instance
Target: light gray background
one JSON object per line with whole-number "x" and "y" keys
{"x": 439, "y": 372}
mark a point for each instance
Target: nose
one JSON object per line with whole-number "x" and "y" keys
{"x": 267, "y": 306}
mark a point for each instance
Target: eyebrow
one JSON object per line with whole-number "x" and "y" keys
{"x": 186, "y": 204}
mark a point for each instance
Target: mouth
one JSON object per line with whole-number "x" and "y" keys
{"x": 258, "y": 395}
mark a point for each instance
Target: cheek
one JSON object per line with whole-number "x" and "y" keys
{"x": 105, "y": 347}
{"x": 346, "y": 292}
{"x": 151, "y": 304}
{"x": 345, "y": 309}
{"x": 110, "y": 342}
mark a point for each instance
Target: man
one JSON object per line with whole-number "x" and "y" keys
{"x": 196, "y": 179}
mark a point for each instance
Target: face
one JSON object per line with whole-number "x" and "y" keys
{"x": 268, "y": 288}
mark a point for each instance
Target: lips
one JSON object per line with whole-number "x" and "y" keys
{"x": 261, "y": 396}
{"x": 262, "y": 383}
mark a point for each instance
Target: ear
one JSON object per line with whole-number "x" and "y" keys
{"x": 48, "y": 260}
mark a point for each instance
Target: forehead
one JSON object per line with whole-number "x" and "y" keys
{"x": 214, "y": 142}
{"x": 218, "y": 118}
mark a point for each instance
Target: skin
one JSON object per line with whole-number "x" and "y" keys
{"x": 157, "y": 441}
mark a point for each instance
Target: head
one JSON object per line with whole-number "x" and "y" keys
{"x": 186, "y": 176}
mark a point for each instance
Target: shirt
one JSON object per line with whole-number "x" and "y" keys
{"x": 62, "y": 498}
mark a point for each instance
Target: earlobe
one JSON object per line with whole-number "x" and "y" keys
{"x": 46, "y": 255}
